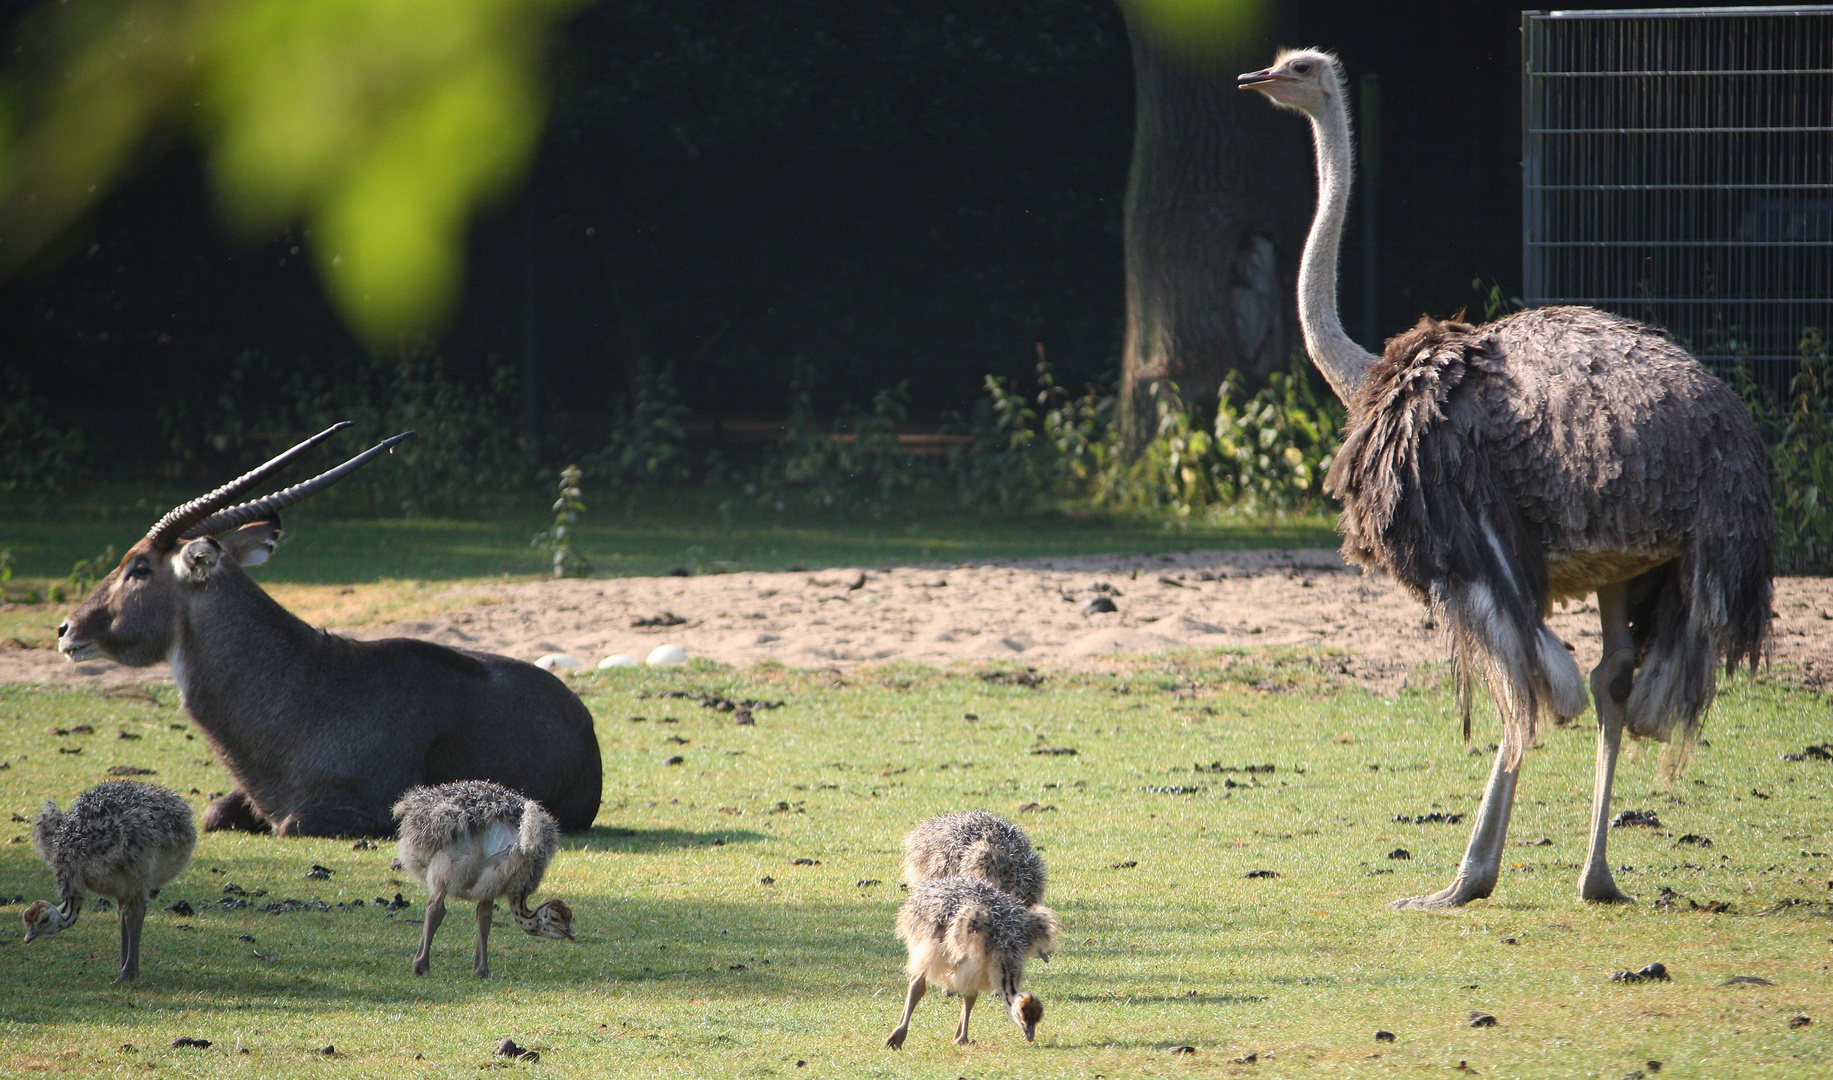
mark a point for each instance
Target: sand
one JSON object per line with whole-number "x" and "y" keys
{"x": 1023, "y": 612}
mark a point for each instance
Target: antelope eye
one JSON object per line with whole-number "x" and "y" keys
{"x": 139, "y": 571}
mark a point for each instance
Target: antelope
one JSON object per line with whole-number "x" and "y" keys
{"x": 323, "y": 734}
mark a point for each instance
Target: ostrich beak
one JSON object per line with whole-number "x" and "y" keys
{"x": 1253, "y": 80}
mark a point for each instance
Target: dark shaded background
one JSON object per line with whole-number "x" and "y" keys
{"x": 869, "y": 190}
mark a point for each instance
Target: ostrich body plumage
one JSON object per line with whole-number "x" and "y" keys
{"x": 970, "y": 937}
{"x": 122, "y": 839}
{"x": 976, "y": 844}
{"x": 477, "y": 840}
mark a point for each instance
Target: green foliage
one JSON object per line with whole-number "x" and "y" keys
{"x": 1265, "y": 452}
{"x": 463, "y": 457}
{"x": 1278, "y": 443}
{"x": 87, "y": 573}
{"x": 1801, "y": 455}
{"x": 1029, "y": 452}
{"x": 35, "y": 454}
{"x": 380, "y": 126}
{"x": 854, "y": 465}
{"x": 1496, "y": 303}
{"x": 559, "y": 538}
{"x": 648, "y": 443}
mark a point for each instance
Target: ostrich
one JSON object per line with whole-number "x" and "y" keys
{"x": 1496, "y": 469}
{"x": 475, "y": 840}
{"x": 969, "y": 937}
{"x": 122, "y": 839}
{"x": 975, "y": 844}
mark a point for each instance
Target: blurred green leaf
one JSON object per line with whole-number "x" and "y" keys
{"x": 378, "y": 125}
{"x": 1201, "y": 26}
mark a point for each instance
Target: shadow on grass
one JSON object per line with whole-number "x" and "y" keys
{"x": 1165, "y": 999}
{"x": 333, "y": 961}
{"x": 635, "y": 841}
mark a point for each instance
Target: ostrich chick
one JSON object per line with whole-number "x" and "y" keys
{"x": 123, "y": 839}
{"x": 975, "y": 844}
{"x": 969, "y": 937}
{"x": 475, "y": 840}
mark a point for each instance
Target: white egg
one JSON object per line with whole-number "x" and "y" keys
{"x": 617, "y": 660}
{"x": 556, "y": 660}
{"x": 668, "y": 654}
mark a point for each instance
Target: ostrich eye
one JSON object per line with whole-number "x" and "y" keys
{"x": 1302, "y": 67}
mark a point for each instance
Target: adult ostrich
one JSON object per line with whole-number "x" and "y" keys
{"x": 1496, "y": 469}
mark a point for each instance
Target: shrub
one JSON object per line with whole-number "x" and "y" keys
{"x": 35, "y": 454}
{"x": 1801, "y": 455}
{"x": 855, "y": 464}
{"x": 558, "y": 539}
{"x": 1025, "y": 452}
{"x": 462, "y": 456}
{"x": 648, "y": 443}
{"x": 1264, "y": 452}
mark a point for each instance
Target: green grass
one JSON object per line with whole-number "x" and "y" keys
{"x": 689, "y": 964}
{"x": 622, "y": 534}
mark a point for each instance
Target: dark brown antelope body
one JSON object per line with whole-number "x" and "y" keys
{"x": 323, "y": 734}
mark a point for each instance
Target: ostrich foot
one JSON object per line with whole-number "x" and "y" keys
{"x": 963, "y": 1040}
{"x": 1452, "y": 896}
{"x": 896, "y": 1039}
{"x": 1605, "y": 891}
{"x": 422, "y": 965}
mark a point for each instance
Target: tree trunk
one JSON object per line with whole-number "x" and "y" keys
{"x": 1214, "y": 218}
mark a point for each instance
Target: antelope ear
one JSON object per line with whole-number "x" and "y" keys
{"x": 197, "y": 560}
{"x": 250, "y": 545}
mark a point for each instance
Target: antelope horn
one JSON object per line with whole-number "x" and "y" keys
{"x": 267, "y": 508}
{"x": 178, "y": 520}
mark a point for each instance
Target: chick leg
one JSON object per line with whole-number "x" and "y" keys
{"x": 481, "y": 965}
{"x": 896, "y": 1039}
{"x": 435, "y": 914}
{"x": 967, "y": 1007}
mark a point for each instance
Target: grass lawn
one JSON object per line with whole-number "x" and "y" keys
{"x": 698, "y": 529}
{"x": 708, "y": 947}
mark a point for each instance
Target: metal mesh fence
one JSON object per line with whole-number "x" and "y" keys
{"x": 1678, "y": 169}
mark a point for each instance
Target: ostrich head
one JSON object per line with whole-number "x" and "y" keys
{"x": 42, "y": 919}
{"x": 1302, "y": 79}
{"x": 1026, "y": 1010}
{"x": 551, "y": 920}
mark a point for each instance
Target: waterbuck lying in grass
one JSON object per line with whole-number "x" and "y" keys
{"x": 323, "y": 734}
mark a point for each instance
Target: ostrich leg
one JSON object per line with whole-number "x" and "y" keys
{"x": 1611, "y": 681}
{"x": 967, "y": 1008}
{"x": 917, "y": 986}
{"x": 1482, "y": 863}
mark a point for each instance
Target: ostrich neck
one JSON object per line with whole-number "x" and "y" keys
{"x": 1342, "y": 361}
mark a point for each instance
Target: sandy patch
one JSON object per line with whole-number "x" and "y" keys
{"x": 1028, "y": 612}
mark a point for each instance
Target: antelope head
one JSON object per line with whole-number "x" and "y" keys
{"x": 133, "y": 615}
